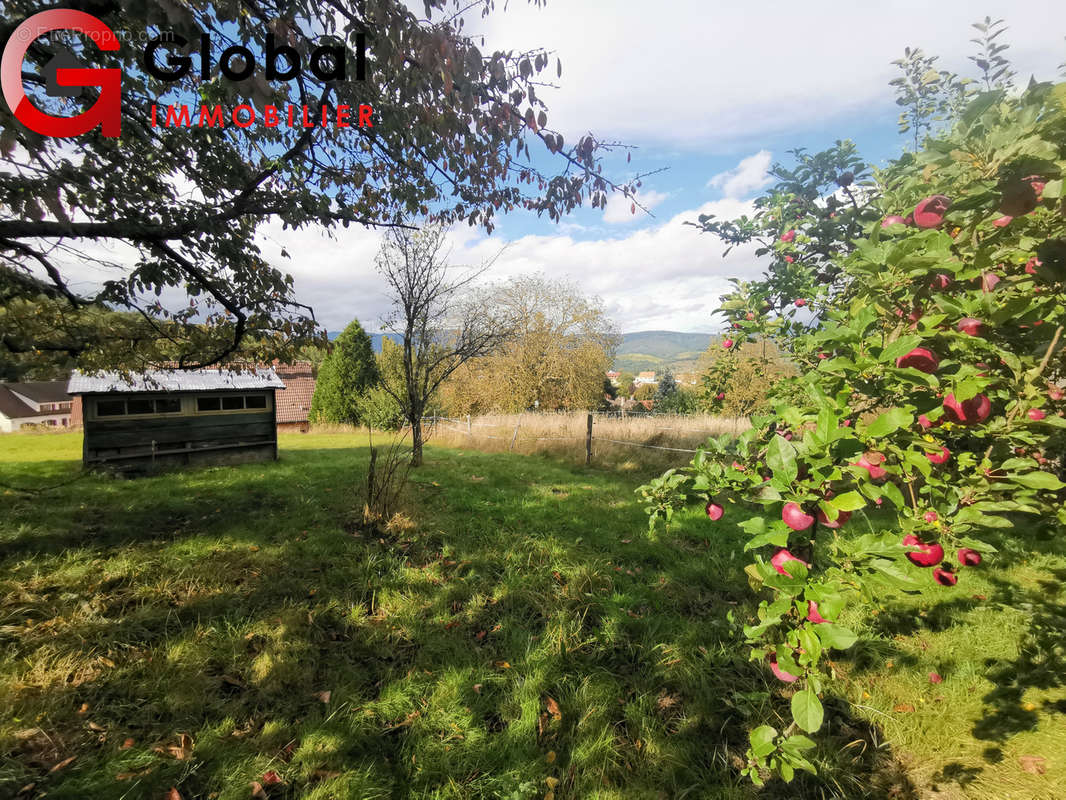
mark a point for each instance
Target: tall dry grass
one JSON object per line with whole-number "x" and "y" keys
{"x": 636, "y": 443}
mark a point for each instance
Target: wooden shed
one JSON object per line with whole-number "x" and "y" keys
{"x": 171, "y": 418}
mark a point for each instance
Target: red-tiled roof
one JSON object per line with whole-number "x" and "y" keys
{"x": 294, "y": 401}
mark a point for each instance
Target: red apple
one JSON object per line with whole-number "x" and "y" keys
{"x": 1032, "y": 264}
{"x": 940, "y": 281}
{"x": 872, "y": 465}
{"x": 715, "y": 511}
{"x": 833, "y": 524}
{"x": 945, "y": 577}
{"x": 930, "y": 212}
{"x": 1019, "y": 198}
{"x": 925, "y": 422}
{"x": 926, "y": 555}
{"x": 800, "y": 303}
{"x": 812, "y": 613}
{"x": 894, "y": 219}
{"x": 780, "y": 674}
{"x": 738, "y": 466}
{"x": 727, "y": 343}
{"x": 788, "y": 236}
{"x": 968, "y": 557}
{"x": 1036, "y": 414}
{"x": 749, "y": 316}
{"x": 1037, "y": 183}
{"x": 939, "y": 458}
{"x": 989, "y": 281}
{"x": 782, "y": 557}
{"x": 1055, "y": 393}
{"x": 720, "y": 396}
{"x": 1002, "y": 222}
{"x": 794, "y": 517}
{"x": 970, "y": 326}
{"x": 968, "y": 412}
{"x": 930, "y": 516}
{"x": 921, "y": 358}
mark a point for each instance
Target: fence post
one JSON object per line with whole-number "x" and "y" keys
{"x": 467, "y": 424}
{"x": 588, "y": 442}
{"x": 515, "y": 437}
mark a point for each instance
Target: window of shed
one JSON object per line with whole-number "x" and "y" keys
{"x": 208, "y": 404}
{"x": 110, "y": 408}
{"x": 140, "y": 405}
{"x": 232, "y": 403}
{"x": 255, "y": 401}
{"x": 168, "y": 405}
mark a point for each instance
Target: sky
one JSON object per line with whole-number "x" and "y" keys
{"x": 713, "y": 92}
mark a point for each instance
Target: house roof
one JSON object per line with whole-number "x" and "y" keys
{"x": 646, "y": 375}
{"x": 42, "y": 391}
{"x": 14, "y": 408}
{"x": 199, "y": 380}
{"x": 294, "y": 401}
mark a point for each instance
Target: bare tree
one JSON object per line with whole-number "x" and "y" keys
{"x": 443, "y": 319}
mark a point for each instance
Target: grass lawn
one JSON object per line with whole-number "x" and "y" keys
{"x": 524, "y": 639}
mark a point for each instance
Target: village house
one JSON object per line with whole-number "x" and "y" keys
{"x": 294, "y": 401}
{"x": 643, "y": 378}
{"x": 34, "y": 403}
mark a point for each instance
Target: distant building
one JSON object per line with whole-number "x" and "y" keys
{"x": 294, "y": 401}
{"x": 34, "y": 403}
{"x": 612, "y": 376}
{"x": 175, "y": 417}
{"x": 644, "y": 377}
{"x": 690, "y": 378}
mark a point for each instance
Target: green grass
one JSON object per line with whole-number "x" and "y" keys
{"x": 525, "y": 633}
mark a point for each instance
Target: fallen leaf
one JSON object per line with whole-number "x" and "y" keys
{"x": 258, "y": 791}
{"x": 552, "y": 782}
{"x": 29, "y": 787}
{"x": 550, "y": 758}
{"x": 324, "y": 696}
{"x": 553, "y": 709}
{"x": 126, "y": 745}
{"x": 477, "y": 688}
{"x": 94, "y": 726}
{"x": 270, "y": 778}
{"x": 1034, "y": 765}
{"x": 502, "y": 665}
{"x": 173, "y": 794}
{"x": 254, "y": 548}
{"x": 182, "y": 751}
{"x": 84, "y": 708}
{"x": 66, "y": 762}
{"x": 107, "y": 662}
{"x": 28, "y": 733}
{"x": 903, "y": 708}
{"x": 934, "y": 677}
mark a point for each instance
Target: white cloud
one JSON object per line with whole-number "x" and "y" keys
{"x": 696, "y": 74}
{"x": 750, "y": 175}
{"x": 665, "y": 276}
{"x": 619, "y": 208}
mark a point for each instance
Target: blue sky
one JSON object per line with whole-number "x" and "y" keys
{"x": 713, "y": 91}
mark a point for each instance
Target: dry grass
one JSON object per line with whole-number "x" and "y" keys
{"x": 633, "y": 444}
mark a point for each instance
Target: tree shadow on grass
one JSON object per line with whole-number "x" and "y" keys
{"x": 527, "y": 630}
{"x": 1041, "y": 662}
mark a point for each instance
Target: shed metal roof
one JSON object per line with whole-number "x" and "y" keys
{"x": 200, "y": 380}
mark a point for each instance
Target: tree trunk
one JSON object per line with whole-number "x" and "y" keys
{"x": 416, "y": 441}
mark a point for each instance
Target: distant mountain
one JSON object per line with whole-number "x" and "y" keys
{"x": 657, "y": 350}
{"x": 375, "y": 338}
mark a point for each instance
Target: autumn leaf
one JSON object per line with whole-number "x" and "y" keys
{"x": 903, "y": 708}
{"x": 66, "y": 762}
{"x": 553, "y": 709}
{"x": 1034, "y": 765}
{"x": 550, "y": 758}
{"x": 126, "y": 745}
{"x": 257, "y": 791}
{"x": 270, "y": 778}
{"x": 323, "y": 696}
{"x": 934, "y": 677}
{"x": 173, "y": 794}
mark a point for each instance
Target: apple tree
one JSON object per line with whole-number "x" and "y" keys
{"x": 925, "y": 305}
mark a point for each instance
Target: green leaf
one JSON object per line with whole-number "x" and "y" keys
{"x": 807, "y": 710}
{"x": 848, "y": 501}
{"x": 762, "y": 741}
{"x": 781, "y": 458}
{"x": 889, "y": 422}
{"x": 1038, "y": 480}
{"x": 835, "y": 636}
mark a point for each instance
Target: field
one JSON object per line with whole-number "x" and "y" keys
{"x": 232, "y": 632}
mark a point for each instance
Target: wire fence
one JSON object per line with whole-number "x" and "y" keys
{"x": 647, "y": 426}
